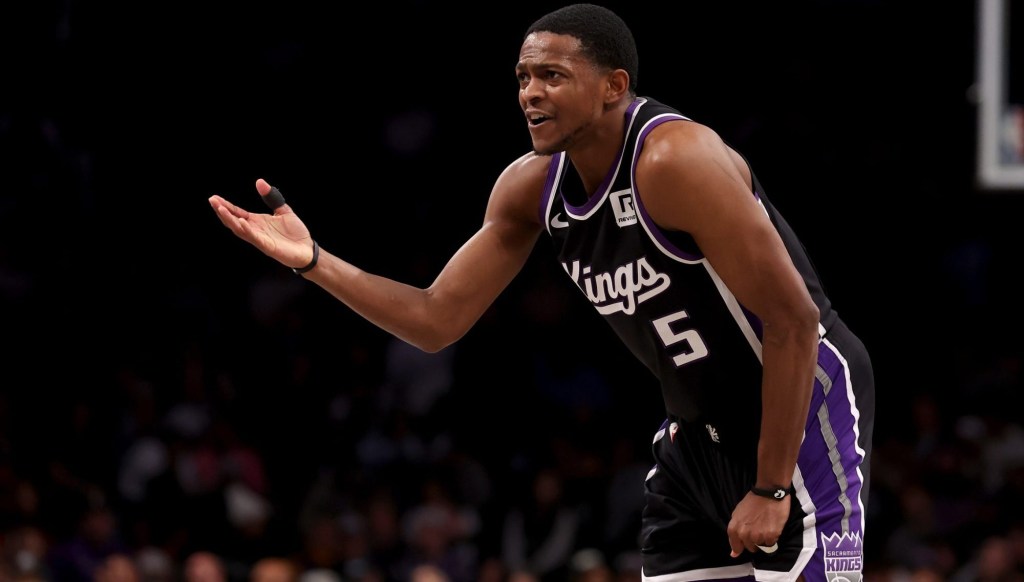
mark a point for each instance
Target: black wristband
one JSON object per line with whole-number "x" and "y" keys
{"x": 775, "y": 492}
{"x": 274, "y": 199}
{"x": 309, "y": 267}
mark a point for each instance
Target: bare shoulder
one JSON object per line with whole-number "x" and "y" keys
{"x": 527, "y": 172}
{"x": 682, "y": 140}
{"x": 517, "y": 191}
{"x": 687, "y": 166}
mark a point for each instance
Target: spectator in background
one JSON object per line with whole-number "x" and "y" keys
{"x": 117, "y": 568}
{"x": 204, "y": 566}
{"x": 96, "y": 539}
{"x": 274, "y": 569}
{"x": 540, "y": 534}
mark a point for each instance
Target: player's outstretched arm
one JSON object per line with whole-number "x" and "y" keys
{"x": 430, "y": 318}
{"x": 435, "y": 317}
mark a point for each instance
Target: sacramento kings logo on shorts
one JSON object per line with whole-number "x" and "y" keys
{"x": 843, "y": 557}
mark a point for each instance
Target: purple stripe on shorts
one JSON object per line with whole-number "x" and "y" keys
{"x": 833, "y": 485}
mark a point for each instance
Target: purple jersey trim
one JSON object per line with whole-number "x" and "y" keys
{"x": 549, "y": 189}
{"x": 653, "y": 228}
{"x": 602, "y": 190}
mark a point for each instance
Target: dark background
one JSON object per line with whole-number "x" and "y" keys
{"x": 385, "y": 126}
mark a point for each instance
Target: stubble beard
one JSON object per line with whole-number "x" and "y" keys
{"x": 564, "y": 144}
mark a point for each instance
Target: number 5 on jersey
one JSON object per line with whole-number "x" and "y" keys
{"x": 698, "y": 349}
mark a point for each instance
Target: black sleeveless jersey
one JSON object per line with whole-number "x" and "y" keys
{"x": 658, "y": 292}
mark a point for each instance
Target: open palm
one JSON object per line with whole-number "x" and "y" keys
{"x": 281, "y": 235}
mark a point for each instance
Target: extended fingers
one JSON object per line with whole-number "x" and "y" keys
{"x": 231, "y": 216}
{"x": 220, "y": 204}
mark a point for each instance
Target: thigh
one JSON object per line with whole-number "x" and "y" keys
{"x": 830, "y": 480}
{"x": 683, "y": 534}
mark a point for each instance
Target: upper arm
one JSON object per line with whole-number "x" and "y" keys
{"x": 690, "y": 180}
{"x": 485, "y": 264}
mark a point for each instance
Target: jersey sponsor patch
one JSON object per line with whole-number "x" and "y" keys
{"x": 622, "y": 207}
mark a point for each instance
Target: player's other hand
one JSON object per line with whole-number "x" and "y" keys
{"x": 757, "y": 523}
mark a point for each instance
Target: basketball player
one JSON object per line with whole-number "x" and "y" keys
{"x": 762, "y": 462}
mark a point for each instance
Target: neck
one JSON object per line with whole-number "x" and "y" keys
{"x": 594, "y": 158}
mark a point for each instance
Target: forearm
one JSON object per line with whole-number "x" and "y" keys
{"x": 407, "y": 312}
{"x": 789, "y": 361}
{"x": 439, "y": 315}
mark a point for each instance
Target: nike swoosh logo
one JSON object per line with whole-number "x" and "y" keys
{"x": 557, "y": 221}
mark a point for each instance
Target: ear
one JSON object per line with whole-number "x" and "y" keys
{"x": 618, "y": 86}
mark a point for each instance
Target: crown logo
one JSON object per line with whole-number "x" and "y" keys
{"x": 841, "y": 542}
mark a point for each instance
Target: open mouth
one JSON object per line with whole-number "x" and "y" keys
{"x": 537, "y": 120}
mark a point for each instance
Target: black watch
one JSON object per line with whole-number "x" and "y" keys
{"x": 774, "y": 492}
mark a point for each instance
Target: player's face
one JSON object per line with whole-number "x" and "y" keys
{"x": 560, "y": 91}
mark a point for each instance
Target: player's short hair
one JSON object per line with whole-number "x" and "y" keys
{"x": 604, "y": 37}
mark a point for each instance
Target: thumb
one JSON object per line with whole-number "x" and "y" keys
{"x": 262, "y": 187}
{"x": 271, "y": 196}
